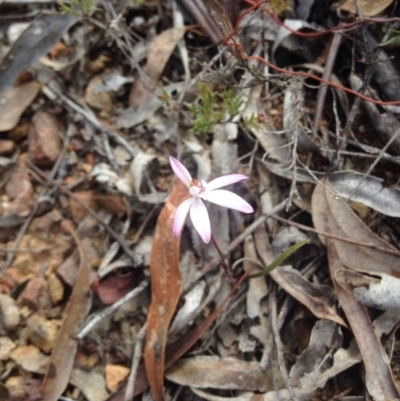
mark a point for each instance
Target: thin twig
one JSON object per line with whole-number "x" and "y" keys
{"x": 283, "y": 313}
{"x": 97, "y": 317}
{"x": 322, "y": 90}
{"x": 26, "y": 250}
{"x": 137, "y": 355}
{"x": 337, "y": 237}
{"x": 273, "y": 308}
{"x": 237, "y": 49}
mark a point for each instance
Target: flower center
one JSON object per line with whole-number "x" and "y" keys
{"x": 196, "y": 188}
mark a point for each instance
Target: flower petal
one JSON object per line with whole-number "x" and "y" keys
{"x": 225, "y": 180}
{"x": 200, "y": 219}
{"x": 228, "y": 199}
{"x": 181, "y": 171}
{"x": 180, "y": 216}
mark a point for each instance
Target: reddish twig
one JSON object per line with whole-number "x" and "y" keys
{"x": 341, "y": 27}
{"x": 238, "y": 50}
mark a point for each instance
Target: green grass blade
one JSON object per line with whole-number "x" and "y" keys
{"x": 280, "y": 259}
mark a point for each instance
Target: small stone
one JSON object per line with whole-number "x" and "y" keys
{"x": 42, "y": 332}
{"x": 19, "y": 185}
{"x": 30, "y": 359}
{"x": 19, "y": 189}
{"x": 44, "y": 142}
{"x": 114, "y": 375}
{"x": 35, "y": 294}
{"x": 20, "y": 132}
{"x": 56, "y": 288}
{"x": 6, "y": 346}
{"x": 9, "y": 312}
{"x": 16, "y": 387}
{"x": 7, "y": 147}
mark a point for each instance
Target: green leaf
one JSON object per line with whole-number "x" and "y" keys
{"x": 280, "y": 259}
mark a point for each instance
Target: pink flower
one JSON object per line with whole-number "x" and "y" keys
{"x": 200, "y": 191}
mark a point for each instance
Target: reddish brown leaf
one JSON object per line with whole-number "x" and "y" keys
{"x": 179, "y": 347}
{"x": 166, "y": 288}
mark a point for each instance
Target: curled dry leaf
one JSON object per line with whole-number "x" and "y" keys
{"x": 114, "y": 287}
{"x": 380, "y": 291}
{"x": 332, "y": 215}
{"x": 165, "y": 290}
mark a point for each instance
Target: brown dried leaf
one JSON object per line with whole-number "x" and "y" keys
{"x": 63, "y": 355}
{"x": 219, "y": 373}
{"x": 165, "y": 290}
{"x": 159, "y": 53}
{"x": 368, "y": 8}
{"x": 379, "y": 378}
{"x": 334, "y": 216}
{"x": 13, "y": 103}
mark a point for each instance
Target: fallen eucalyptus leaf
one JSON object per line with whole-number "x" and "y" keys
{"x": 36, "y": 40}
{"x": 331, "y": 214}
{"x": 367, "y": 190}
